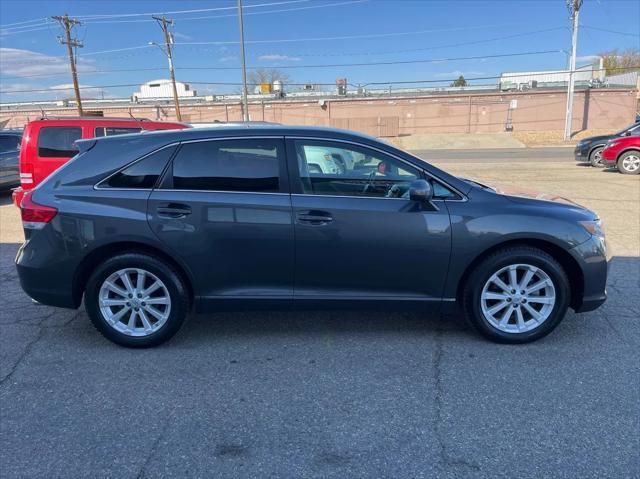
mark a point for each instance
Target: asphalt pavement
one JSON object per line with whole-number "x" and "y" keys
{"x": 333, "y": 394}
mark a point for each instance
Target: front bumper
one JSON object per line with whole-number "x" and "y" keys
{"x": 581, "y": 153}
{"x": 594, "y": 257}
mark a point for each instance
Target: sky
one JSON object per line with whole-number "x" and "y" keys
{"x": 313, "y": 41}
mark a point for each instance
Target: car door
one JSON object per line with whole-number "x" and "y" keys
{"x": 358, "y": 236}
{"x": 9, "y": 151}
{"x": 223, "y": 207}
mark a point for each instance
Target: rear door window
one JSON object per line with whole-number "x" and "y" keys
{"x": 114, "y": 130}
{"x": 9, "y": 143}
{"x": 58, "y": 141}
{"x": 250, "y": 165}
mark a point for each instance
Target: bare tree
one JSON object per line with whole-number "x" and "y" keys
{"x": 266, "y": 75}
{"x": 621, "y": 62}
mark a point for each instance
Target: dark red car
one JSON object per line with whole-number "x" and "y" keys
{"x": 49, "y": 143}
{"x": 623, "y": 153}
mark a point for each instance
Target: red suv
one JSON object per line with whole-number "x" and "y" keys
{"x": 48, "y": 143}
{"x": 623, "y": 153}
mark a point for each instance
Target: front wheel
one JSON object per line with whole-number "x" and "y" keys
{"x": 595, "y": 157}
{"x": 136, "y": 300}
{"x": 629, "y": 163}
{"x": 516, "y": 295}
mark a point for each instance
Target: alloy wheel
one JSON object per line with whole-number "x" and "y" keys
{"x": 134, "y": 302}
{"x": 631, "y": 163}
{"x": 518, "y": 298}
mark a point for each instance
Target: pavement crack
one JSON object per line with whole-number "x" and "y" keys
{"x": 447, "y": 458}
{"x": 154, "y": 447}
{"x": 29, "y": 347}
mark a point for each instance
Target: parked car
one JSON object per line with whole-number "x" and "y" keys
{"x": 48, "y": 143}
{"x": 148, "y": 227}
{"x": 590, "y": 149}
{"x": 9, "y": 151}
{"x": 623, "y": 153}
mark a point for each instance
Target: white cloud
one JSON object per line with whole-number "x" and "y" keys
{"x": 15, "y": 62}
{"x": 274, "y": 57}
{"x": 587, "y": 58}
{"x": 227, "y": 58}
{"x": 182, "y": 36}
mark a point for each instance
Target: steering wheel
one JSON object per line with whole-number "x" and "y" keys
{"x": 372, "y": 175}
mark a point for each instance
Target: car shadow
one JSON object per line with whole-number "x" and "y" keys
{"x": 5, "y": 198}
{"x": 219, "y": 327}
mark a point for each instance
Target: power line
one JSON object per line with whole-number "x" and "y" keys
{"x": 388, "y": 82}
{"x": 257, "y": 67}
{"x": 207, "y": 17}
{"x": 178, "y": 12}
{"x": 610, "y": 31}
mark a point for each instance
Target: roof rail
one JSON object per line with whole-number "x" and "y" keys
{"x": 91, "y": 117}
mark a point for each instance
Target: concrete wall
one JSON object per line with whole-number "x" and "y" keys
{"x": 601, "y": 109}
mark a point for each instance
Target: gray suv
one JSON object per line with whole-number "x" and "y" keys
{"x": 148, "y": 227}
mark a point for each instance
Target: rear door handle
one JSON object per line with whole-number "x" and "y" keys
{"x": 315, "y": 218}
{"x": 173, "y": 210}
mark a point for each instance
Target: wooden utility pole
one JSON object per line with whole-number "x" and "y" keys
{"x": 68, "y": 23}
{"x": 168, "y": 41}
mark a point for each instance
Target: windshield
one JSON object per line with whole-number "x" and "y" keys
{"x": 635, "y": 128}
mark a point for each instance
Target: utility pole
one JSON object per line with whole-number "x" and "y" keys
{"x": 168, "y": 41}
{"x": 245, "y": 102}
{"x": 574, "y": 11}
{"x": 68, "y": 23}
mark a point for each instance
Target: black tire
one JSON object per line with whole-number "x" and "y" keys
{"x": 595, "y": 157}
{"x": 621, "y": 160}
{"x": 175, "y": 285}
{"x": 493, "y": 263}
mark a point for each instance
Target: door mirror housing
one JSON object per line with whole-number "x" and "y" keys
{"x": 421, "y": 191}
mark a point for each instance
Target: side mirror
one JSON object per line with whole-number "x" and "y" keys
{"x": 420, "y": 191}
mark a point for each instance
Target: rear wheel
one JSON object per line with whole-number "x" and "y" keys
{"x": 595, "y": 157}
{"x": 516, "y": 295}
{"x": 629, "y": 163}
{"x": 136, "y": 300}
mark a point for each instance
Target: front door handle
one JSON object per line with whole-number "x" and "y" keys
{"x": 314, "y": 218}
{"x": 173, "y": 210}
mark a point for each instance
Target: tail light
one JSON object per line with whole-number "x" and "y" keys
{"x": 26, "y": 175}
{"x": 35, "y": 216}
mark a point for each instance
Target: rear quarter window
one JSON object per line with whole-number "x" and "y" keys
{"x": 58, "y": 141}
{"x": 142, "y": 174}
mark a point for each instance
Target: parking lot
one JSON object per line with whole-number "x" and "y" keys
{"x": 336, "y": 394}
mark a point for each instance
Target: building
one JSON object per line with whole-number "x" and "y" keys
{"x": 162, "y": 89}
{"x": 555, "y": 78}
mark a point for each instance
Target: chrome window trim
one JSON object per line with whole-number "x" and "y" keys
{"x": 98, "y": 187}
{"x": 223, "y": 192}
{"x": 463, "y": 197}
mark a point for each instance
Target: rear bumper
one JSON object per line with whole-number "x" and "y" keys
{"x": 44, "y": 275}
{"x": 17, "y": 196}
{"x": 593, "y": 257}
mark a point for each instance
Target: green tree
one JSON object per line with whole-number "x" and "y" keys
{"x": 460, "y": 81}
{"x": 616, "y": 62}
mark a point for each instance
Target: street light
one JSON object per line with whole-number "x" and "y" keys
{"x": 245, "y": 102}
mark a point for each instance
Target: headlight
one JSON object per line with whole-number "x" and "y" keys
{"x": 593, "y": 228}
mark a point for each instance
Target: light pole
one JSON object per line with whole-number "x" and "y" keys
{"x": 245, "y": 102}
{"x": 574, "y": 10}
